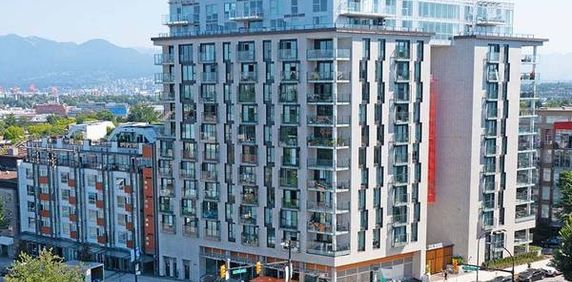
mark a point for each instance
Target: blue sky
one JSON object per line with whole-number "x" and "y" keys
{"x": 130, "y": 23}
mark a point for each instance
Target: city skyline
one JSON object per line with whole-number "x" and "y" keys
{"x": 144, "y": 21}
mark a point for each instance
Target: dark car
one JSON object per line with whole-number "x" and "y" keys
{"x": 531, "y": 274}
{"x": 501, "y": 279}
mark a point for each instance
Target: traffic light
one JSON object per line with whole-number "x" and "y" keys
{"x": 258, "y": 268}
{"x": 222, "y": 272}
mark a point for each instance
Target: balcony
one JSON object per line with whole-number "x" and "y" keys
{"x": 328, "y": 98}
{"x": 523, "y": 238}
{"x": 493, "y": 57}
{"x": 490, "y": 20}
{"x": 245, "y": 56}
{"x": 247, "y": 179}
{"x": 248, "y": 218}
{"x": 327, "y": 228}
{"x": 290, "y": 76}
{"x": 209, "y": 175}
{"x": 177, "y": 19}
{"x": 189, "y": 154}
{"x": 164, "y": 59}
{"x": 321, "y": 164}
{"x": 402, "y": 117}
{"x": 492, "y": 76}
{"x": 288, "y": 96}
{"x": 524, "y": 198}
{"x": 399, "y": 219}
{"x": 290, "y": 119}
{"x": 246, "y": 16}
{"x": 402, "y": 76}
{"x": 190, "y": 193}
{"x": 247, "y": 96}
{"x": 249, "y": 239}
{"x": 328, "y": 54}
{"x": 208, "y": 137}
{"x": 529, "y": 59}
{"x": 212, "y": 195}
{"x": 328, "y": 249}
{"x": 164, "y": 78}
{"x": 363, "y": 10}
{"x": 166, "y": 208}
{"x": 524, "y": 215}
{"x": 209, "y": 77}
{"x": 326, "y": 185}
{"x": 288, "y": 181}
{"x": 400, "y": 198}
{"x": 212, "y": 234}
{"x": 288, "y": 140}
{"x": 529, "y": 76}
{"x": 189, "y": 211}
{"x": 210, "y": 214}
{"x": 250, "y": 199}
{"x": 325, "y": 120}
{"x": 290, "y": 203}
{"x": 328, "y": 142}
{"x": 167, "y": 97}
{"x": 207, "y": 58}
{"x": 167, "y": 191}
{"x": 399, "y": 240}
{"x": 402, "y": 53}
{"x": 488, "y": 205}
{"x": 327, "y": 207}
{"x": 248, "y": 77}
{"x": 325, "y": 77}
{"x": 249, "y": 159}
{"x": 287, "y": 54}
{"x": 190, "y": 231}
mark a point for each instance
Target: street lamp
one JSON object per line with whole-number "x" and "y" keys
{"x": 512, "y": 258}
{"x": 288, "y": 244}
{"x": 479, "y": 252}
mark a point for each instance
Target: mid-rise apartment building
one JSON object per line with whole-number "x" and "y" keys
{"x": 555, "y": 152}
{"x": 308, "y": 123}
{"x": 91, "y": 200}
{"x": 485, "y": 96}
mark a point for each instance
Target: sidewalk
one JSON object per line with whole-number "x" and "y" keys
{"x": 486, "y": 275}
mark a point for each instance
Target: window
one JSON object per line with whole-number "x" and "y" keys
{"x": 186, "y": 53}
{"x": 91, "y": 198}
{"x": 320, "y": 5}
{"x": 294, "y": 7}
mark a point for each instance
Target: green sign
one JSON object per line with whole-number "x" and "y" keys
{"x": 470, "y": 268}
{"x": 238, "y": 271}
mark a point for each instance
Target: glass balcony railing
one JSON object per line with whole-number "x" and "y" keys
{"x": 290, "y": 203}
{"x": 245, "y": 56}
{"x": 328, "y": 164}
{"x": 287, "y": 54}
{"x": 249, "y": 239}
{"x": 250, "y": 198}
{"x": 288, "y": 140}
{"x": 164, "y": 59}
{"x": 290, "y": 76}
{"x": 399, "y": 219}
{"x": 249, "y": 76}
{"x": 328, "y": 54}
{"x": 328, "y": 249}
{"x": 209, "y": 77}
{"x": 288, "y": 97}
{"x": 191, "y": 231}
{"x": 327, "y": 142}
{"x": 320, "y": 76}
{"x": 164, "y": 78}
{"x": 327, "y": 185}
{"x": 328, "y": 120}
{"x": 529, "y": 76}
{"x": 493, "y": 57}
{"x": 210, "y": 214}
{"x": 167, "y": 97}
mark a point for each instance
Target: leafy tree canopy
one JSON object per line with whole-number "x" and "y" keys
{"x": 45, "y": 267}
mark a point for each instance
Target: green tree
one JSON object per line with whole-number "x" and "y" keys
{"x": 14, "y": 133}
{"x": 143, "y": 113}
{"x": 565, "y": 186}
{"x": 46, "y": 267}
{"x": 10, "y": 120}
{"x": 563, "y": 255}
{"x": 105, "y": 115}
{"x": 4, "y": 220}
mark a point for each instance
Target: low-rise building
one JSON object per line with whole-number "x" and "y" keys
{"x": 94, "y": 131}
{"x": 91, "y": 200}
{"x": 52, "y": 109}
{"x": 10, "y": 210}
{"x": 555, "y": 156}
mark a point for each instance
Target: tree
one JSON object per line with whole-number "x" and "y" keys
{"x": 46, "y": 267}
{"x": 143, "y": 113}
{"x": 14, "y": 133}
{"x": 565, "y": 186}
{"x": 4, "y": 220}
{"x": 563, "y": 255}
{"x": 10, "y": 120}
{"x": 105, "y": 115}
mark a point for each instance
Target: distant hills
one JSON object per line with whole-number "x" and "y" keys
{"x": 43, "y": 62}
{"x": 555, "y": 67}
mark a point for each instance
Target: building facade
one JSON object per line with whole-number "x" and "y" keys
{"x": 445, "y": 18}
{"x": 89, "y": 200}
{"x": 555, "y": 129}
{"x": 10, "y": 210}
{"x": 316, "y": 137}
{"x": 485, "y": 95}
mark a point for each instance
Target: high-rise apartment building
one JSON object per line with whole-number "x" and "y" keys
{"x": 445, "y": 18}
{"x": 555, "y": 156}
{"x": 84, "y": 199}
{"x": 485, "y": 95}
{"x": 308, "y": 123}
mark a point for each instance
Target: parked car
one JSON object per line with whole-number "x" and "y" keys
{"x": 531, "y": 274}
{"x": 501, "y": 279}
{"x": 550, "y": 271}
{"x": 553, "y": 242}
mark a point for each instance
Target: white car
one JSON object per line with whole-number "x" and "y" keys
{"x": 550, "y": 271}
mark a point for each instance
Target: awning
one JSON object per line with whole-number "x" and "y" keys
{"x": 6, "y": 241}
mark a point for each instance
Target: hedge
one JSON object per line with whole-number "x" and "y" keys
{"x": 518, "y": 260}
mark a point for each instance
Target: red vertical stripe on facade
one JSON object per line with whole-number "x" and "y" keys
{"x": 431, "y": 176}
{"x": 149, "y": 211}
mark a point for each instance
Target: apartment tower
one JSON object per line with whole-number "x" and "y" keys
{"x": 304, "y": 123}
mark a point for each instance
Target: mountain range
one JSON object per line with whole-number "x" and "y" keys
{"x": 42, "y": 62}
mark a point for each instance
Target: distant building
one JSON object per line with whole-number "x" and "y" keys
{"x": 9, "y": 198}
{"x": 118, "y": 109}
{"x": 90, "y": 130}
{"x": 555, "y": 156}
{"x": 91, "y": 201}
{"x": 52, "y": 109}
